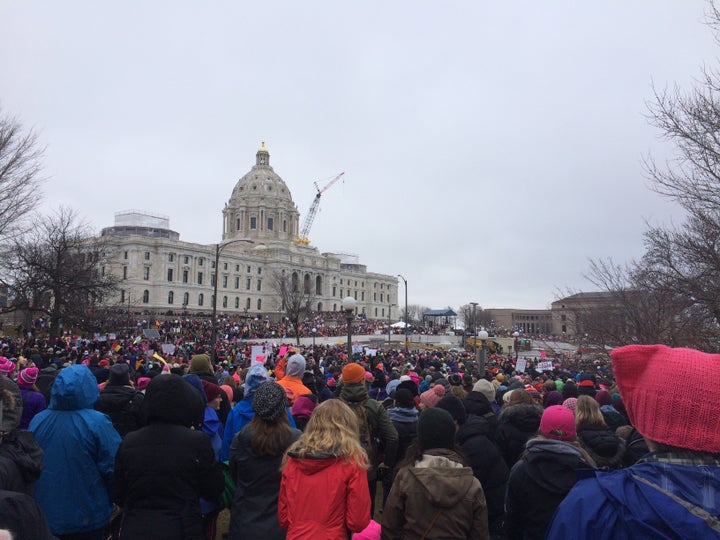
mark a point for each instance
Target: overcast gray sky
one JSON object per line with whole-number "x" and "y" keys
{"x": 490, "y": 149}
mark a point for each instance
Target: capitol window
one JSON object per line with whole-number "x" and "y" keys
{"x": 201, "y": 299}
{"x": 146, "y": 296}
{"x": 253, "y": 223}
{"x": 270, "y": 224}
{"x": 147, "y": 255}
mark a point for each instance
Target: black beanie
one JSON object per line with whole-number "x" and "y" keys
{"x": 404, "y": 398}
{"x": 436, "y": 429}
{"x": 119, "y": 375}
{"x": 452, "y": 404}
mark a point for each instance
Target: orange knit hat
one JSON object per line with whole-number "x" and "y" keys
{"x": 353, "y": 373}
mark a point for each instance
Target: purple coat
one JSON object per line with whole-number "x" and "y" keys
{"x": 33, "y": 403}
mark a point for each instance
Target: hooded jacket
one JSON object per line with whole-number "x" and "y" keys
{"x": 122, "y": 403}
{"x": 323, "y": 496}
{"x": 437, "y": 498}
{"x": 487, "y": 465}
{"x": 664, "y": 496}
{"x": 163, "y": 468}
{"x": 80, "y": 444}
{"x": 21, "y": 462}
{"x": 603, "y": 446}
{"x": 518, "y": 424}
{"x": 538, "y": 483}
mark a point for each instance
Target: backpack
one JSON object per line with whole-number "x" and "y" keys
{"x": 367, "y": 438}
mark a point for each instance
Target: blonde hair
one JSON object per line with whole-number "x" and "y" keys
{"x": 459, "y": 391}
{"x": 587, "y": 412}
{"x": 332, "y": 428}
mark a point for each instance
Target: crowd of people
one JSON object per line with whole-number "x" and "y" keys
{"x": 118, "y": 438}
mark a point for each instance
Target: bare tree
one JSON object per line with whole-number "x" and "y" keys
{"x": 415, "y": 313}
{"x": 20, "y": 164}
{"x": 295, "y": 297}
{"x": 57, "y": 270}
{"x": 681, "y": 266}
{"x": 640, "y": 307}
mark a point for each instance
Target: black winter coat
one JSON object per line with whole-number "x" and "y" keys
{"x": 122, "y": 404}
{"x": 21, "y": 462}
{"x": 161, "y": 470}
{"x": 488, "y": 466}
{"x": 603, "y": 446}
{"x": 538, "y": 483}
{"x": 21, "y": 515}
{"x": 254, "y": 512}
{"x": 518, "y": 424}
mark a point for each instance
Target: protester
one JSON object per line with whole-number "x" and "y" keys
{"x": 673, "y": 492}
{"x": 518, "y": 423}
{"x": 324, "y": 490}
{"x": 200, "y": 365}
{"x": 21, "y": 518}
{"x": 404, "y": 416}
{"x": 33, "y": 401}
{"x": 483, "y": 457}
{"x": 543, "y": 476}
{"x": 292, "y": 381}
{"x": 21, "y": 458}
{"x": 243, "y": 412}
{"x": 596, "y": 438}
{"x": 80, "y": 444}
{"x": 434, "y": 494}
{"x": 374, "y": 424}
{"x": 255, "y": 457}
{"x": 164, "y": 468}
{"x": 120, "y": 401}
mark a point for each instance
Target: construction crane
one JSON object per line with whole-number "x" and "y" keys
{"x": 312, "y": 212}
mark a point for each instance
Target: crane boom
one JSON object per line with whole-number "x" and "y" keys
{"x": 312, "y": 212}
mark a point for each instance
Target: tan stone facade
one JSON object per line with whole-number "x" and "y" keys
{"x": 159, "y": 272}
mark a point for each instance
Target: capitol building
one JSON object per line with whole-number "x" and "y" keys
{"x": 260, "y": 243}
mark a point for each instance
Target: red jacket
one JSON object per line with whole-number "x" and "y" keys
{"x": 323, "y": 497}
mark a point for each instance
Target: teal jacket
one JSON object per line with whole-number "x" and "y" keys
{"x": 80, "y": 444}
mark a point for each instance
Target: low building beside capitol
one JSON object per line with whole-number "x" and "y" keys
{"x": 159, "y": 272}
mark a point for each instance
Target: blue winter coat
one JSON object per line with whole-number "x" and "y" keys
{"x": 621, "y": 505}
{"x": 80, "y": 444}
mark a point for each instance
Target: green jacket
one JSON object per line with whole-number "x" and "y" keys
{"x": 382, "y": 431}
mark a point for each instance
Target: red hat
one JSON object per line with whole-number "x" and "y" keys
{"x": 104, "y": 362}
{"x": 667, "y": 409}
{"x": 558, "y": 423}
{"x": 212, "y": 390}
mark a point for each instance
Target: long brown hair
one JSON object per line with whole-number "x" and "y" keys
{"x": 269, "y": 438}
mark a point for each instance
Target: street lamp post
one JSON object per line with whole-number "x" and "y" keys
{"x": 406, "y": 312}
{"x": 348, "y": 304}
{"x": 314, "y": 331}
{"x": 213, "y": 335}
{"x": 474, "y": 328}
{"x": 389, "y": 323}
{"x": 516, "y": 335}
{"x": 483, "y": 335}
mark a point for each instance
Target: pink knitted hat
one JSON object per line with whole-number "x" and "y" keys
{"x": 6, "y": 366}
{"x": 558, "y": 423}
{"x": 431, "y": 396}
{"x": 666, "y": 408}
{"x": 28, "y": 376}
{"x": 570, "y": 403}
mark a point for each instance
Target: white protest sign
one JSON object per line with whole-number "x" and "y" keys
{"x": 520, "y": 365}
{"x": 257, "y": 354}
